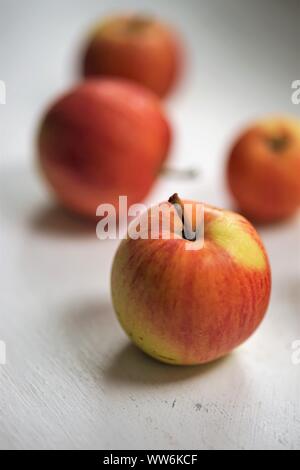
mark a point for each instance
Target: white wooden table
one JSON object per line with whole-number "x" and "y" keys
{"x": 72, "y": 379}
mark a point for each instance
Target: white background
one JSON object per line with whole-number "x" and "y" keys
{"x": 72, "y": 380}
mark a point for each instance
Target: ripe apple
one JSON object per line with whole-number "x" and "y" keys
{"x": 264, "y": 169}
{"x": 191, "y": 307}
{"x": 135, "y": 47}
{"x": 103, "y": 139}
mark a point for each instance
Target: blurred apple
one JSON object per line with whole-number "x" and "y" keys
{"x": 103, "y": 139}
{"x": 264, "y": 169}
{"x": 135, "y": 47}
{"x": 191, "y": 307}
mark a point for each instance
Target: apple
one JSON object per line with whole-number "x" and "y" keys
{"x": 185, "y": 306}
{"x": 103, "y": 139}
{"x": 135, "y": 47}
{"x": 264, "y": 169}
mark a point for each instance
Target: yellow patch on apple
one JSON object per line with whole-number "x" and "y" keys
{"x": 238, "y": 243}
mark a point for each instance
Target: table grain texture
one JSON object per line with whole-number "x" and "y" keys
{"x": 72, "y": 379}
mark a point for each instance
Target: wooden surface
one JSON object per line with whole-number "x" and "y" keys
{"x": 72, "y": 379}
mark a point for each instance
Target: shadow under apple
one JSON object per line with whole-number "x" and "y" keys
{"x": 24, "y": 200}
{"x": 109, "y": 357}
{"x": 56, "y": 221}
{"x": 132, "y": 366}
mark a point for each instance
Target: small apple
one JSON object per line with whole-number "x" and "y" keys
{"x": 103, "y": 139}
{"x": 264, "y": 169}
{"x": 135, "y": 47}
{"x": 189, "y": 307}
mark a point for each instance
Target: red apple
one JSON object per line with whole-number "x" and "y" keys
{"x": 192, "y": 307}
{"x": 104, "y": 138}
{"x": 264, "y": 169}
{"x": 134, "y": 47}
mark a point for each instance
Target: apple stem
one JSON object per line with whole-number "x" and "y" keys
{"x": 278, "y": 144}
{"x": 180, "y": 173}
{"x": 187, "y": 230}
{"x": 139, "y": 22}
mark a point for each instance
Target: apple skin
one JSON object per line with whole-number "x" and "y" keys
{"x": 136, "y": 48}
{"x": 192, "y": 307}
{"x": 264, "y": 170}
{"x": 103, "y": 139}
